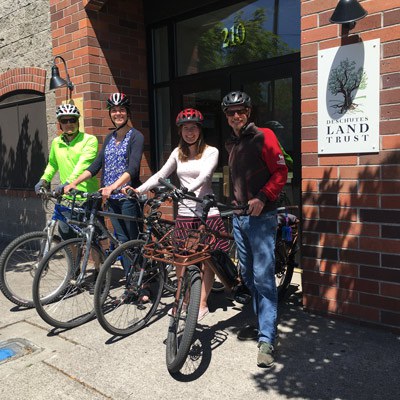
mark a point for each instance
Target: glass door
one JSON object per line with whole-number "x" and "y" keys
{"x": 205, "y": 95}
{"x": 275, "y": 94}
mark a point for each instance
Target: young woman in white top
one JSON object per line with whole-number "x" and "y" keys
{"x": 194, "y": 162}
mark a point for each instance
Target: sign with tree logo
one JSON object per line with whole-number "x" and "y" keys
{"x": 348, "y": 98}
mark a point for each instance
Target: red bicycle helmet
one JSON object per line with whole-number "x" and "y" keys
{"x": 118, "y": 99}
{"x": 189, "y": 115}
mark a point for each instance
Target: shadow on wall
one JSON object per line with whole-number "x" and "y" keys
{"x": 21, "y": 168}
{"x": 351, "y": 244}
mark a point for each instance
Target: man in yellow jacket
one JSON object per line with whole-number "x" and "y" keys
{"x": 70, "y": 154}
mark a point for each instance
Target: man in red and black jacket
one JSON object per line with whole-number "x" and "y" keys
{"x": 258, "y": 173}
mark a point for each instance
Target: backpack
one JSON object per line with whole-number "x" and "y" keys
{"x": 287, "y": 157}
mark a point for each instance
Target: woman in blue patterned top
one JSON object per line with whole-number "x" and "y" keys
{"x": 119, "y": 160}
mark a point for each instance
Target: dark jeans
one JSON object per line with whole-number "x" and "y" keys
{"x": 125, "y": 230}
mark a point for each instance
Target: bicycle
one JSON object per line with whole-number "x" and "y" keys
{"x": 186, "y": 250}
{"x": 118, "y": 297}
{"x": 20, "y": 259}
{"x": 63, "y": 285}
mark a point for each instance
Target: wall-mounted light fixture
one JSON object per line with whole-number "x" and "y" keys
{"x": 56, "y": 81}
{"x": 347, "y": 12}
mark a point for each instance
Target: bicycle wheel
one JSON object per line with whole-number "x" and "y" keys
{"x": 183, "y": 324}
{"x": 284, "y": 266}
{"x": 119, "y": 300}
{"x": 63, "y": 287}
{"x": 18, "y": 264}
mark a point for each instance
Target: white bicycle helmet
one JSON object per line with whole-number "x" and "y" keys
{"x": 67, "y": 109}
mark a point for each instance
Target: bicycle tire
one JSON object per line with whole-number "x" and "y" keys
{"x": 118, "y": 303}
{"x": 182, "y": 327}
{"x": 18, "y": 264}
{"x": 284, "y": 266}
{"x": 59, "y": 299}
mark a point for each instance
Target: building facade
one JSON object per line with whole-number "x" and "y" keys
{"x": 171, "y": 55}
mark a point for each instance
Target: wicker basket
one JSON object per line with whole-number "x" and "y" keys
{"x": 182, "y": 247}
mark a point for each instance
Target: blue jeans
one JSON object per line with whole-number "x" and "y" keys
{"x": 255, "y": 241}
{"x": 125, "y": 230}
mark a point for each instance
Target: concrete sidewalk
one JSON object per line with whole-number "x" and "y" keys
{"x": 317, "y": 358}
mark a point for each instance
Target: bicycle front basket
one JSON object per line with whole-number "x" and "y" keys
{"x": 182, "y": 247}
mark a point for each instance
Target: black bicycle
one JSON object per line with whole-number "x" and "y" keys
{"x": 125, "y": 303}
{"x": 63, "y": 285}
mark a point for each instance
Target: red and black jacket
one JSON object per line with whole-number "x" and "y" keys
{"x": 257, "y": 166}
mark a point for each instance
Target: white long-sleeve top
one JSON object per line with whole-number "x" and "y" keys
{"x": 195, "y": 175}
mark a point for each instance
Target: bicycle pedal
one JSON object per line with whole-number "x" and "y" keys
{"x": 242, "y": 298}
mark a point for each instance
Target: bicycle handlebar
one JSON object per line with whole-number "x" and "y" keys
{"x": 207, "y": 201}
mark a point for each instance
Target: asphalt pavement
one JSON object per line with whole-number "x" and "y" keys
{"x": 316, "y": 358}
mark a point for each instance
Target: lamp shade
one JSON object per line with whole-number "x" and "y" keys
{"x": 347, "y": 11}
{"x": 56, "y": 81}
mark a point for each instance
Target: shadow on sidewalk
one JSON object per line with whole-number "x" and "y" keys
{"x": 316, "y": 357}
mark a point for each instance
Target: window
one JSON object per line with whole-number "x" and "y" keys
{"x": 245, "y": 32}
{"x": 23, "y": 140}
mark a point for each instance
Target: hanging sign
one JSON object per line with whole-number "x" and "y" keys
{"x": 348, "y": 98}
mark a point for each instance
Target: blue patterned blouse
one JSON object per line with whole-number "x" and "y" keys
{"x": 116, "y": 161}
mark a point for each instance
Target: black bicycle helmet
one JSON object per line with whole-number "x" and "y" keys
{"x": 236, "y": 99}
{"x": 189, "y": 115}
{"x": 118, "y": 99}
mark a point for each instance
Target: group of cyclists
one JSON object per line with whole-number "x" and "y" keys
{"x": 258, "y": 173}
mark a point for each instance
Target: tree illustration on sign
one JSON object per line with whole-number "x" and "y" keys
{"x": 346, "y": 80}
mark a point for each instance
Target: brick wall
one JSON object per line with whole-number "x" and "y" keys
{"x": 104, "y": 46}
{"x": 351, "y": 205}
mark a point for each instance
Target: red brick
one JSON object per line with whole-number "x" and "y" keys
{"x": 309, "y": 22}
{"x": 309, "y": 146}
{"x": 354, "y": 228}
{"x": 390, "y": 201}
{"x": 309, "y": 119}
{"x": 342, "y": 241}
{"x": 381, "y": 302}
{"x": 319, "y": 172}
{"x": 380, "y": 245}
{"x": 340, "y": 295}
{"x": 359, "y": 311}
{"x": 309, "y": 50}
{"x": 377, "y": 6}
{"x": 391, "y": 49}
{"x": 391, "y": 142}
{"x": 309, "y": 185}
{"x": 309, "y": 77}
{"x": 389, "y": 290}
{"x": 335, "y": 160}
{"x": 316, "y": 6}
{"x": 364, "y": 172}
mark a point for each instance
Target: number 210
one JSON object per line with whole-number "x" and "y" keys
{"x": 233, "y": 36}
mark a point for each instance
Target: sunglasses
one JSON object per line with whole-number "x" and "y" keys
{"x": 68, "y": 120}
{"x": 231, "y": 113}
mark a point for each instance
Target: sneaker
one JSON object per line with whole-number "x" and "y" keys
{"x": 265, "y": 358}
{"x": 203, "y": 313}
{"x": 249, "y": 332}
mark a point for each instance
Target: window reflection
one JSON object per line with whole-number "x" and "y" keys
{"x": 245, "y": 32}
